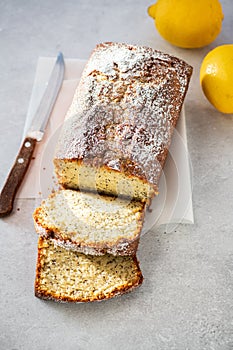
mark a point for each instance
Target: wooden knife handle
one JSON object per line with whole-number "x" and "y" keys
{"x": 16, "y": 176}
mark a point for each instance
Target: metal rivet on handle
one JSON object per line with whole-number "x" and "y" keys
{"x": 27, "y": 144}
{"x": 20, "y": 160}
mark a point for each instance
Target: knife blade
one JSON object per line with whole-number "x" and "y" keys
{"x": 35, "y": 134}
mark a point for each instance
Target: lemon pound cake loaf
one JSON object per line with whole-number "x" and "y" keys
{"x": 91, "y": 223}
{"x": 119, "y": 126}
{"x": 65, "y": 275}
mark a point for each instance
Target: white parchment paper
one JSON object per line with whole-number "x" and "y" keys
{"x": 172, "y": 206}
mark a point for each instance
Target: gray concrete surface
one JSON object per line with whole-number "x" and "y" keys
{"x": 186, "y": 300}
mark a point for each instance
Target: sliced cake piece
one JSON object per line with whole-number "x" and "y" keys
{"x": 65, "y": 275}
{"x": 118, "y": 130}
{"x": 91, "y": 223}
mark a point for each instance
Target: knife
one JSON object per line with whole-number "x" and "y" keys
{"x": 34, "y": 134}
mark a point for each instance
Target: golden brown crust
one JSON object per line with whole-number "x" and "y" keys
{"x": 124, "y": 111}
{"x": 48, "y": 295}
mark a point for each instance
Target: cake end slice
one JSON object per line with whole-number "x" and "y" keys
{"x": 67, "y": 276}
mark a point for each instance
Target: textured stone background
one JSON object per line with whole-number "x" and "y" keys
{"x": 186, "y": 300}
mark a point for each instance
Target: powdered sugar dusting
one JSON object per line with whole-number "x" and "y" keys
{"x": 125, "y": 109}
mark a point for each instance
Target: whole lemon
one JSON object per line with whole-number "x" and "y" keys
{"x": 188, "y": 23}
{"x": 216, "y": 77}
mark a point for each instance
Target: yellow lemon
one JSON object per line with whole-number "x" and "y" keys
{"x": 216, "y": 77}
{"x": 188, "y": 23}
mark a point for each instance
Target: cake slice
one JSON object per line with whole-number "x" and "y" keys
{"x": 118, "y": 129}
{"x": 67, "y": 276}
{"x": 91, "y": 223}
